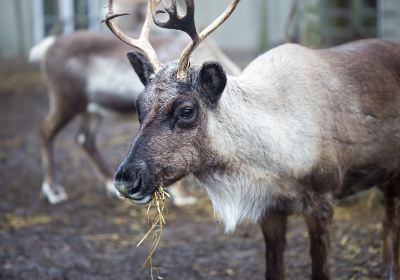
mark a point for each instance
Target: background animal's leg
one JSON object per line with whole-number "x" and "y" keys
{"x": 319, "y": 226}
{"x": 52, "y": 124}
{"x": 274, "y": 230}
{"x": 180, "y": 195}
{"x": 391, "y": 235}
{"x": 86, "y": 137}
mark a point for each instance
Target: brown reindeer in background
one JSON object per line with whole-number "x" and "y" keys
{"x": 87, "y": 75}
{"x": 298, "y": 128}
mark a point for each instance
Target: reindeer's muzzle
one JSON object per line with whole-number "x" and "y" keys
{"x": 134, "y": 182}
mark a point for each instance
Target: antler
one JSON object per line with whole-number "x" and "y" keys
{"x": 187, "y": 24}
{"x": 142, "y": 43}
{"x": 184, "y": 23}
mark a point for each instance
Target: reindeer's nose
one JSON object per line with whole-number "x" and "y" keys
{"x": 127, "y": 180}
{"x": 133, "y": 181}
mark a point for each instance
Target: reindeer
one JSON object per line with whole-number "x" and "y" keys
{"x": 297, "y": 129}
{"x": 87, "y": 75}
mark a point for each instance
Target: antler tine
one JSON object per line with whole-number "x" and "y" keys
{"x": 142, "y": 43}
{"x": 184, "y": 23}
{"x": 187, "y": 24}
{"x": 187, "y": 52}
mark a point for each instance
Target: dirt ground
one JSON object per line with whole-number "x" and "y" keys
{"x": 91, "y": 236}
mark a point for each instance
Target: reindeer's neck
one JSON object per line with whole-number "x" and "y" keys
{"x": 251, "y": 125}
{"x": 255, "y": 150}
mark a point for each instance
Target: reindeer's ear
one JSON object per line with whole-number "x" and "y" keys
{"x": 210, "y": 82}
{"x": 141, "y": 65}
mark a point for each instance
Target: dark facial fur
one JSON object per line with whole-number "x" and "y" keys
{"x": 172, "y": 141}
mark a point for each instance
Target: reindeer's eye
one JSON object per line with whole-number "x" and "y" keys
{"x": 186, "y": 113}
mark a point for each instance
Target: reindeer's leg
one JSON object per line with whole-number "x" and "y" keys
{"x": 86, "y": 138}
{"x": 391, "y": 234}
{"x": 180, "y": 195}
{"x": 319, "y": 222}
{"x": 274, "y": 230}
{"x": 52, "y": 124}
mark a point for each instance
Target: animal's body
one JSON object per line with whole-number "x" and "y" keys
{"x": 314, "y": 125}
{"x": 87, "y": 75}
{"x": 311, "y": 122}
{"x": 296, "y": 129}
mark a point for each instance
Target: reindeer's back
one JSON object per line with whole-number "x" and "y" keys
{"x": 345, "y": 100}
{"x": 71, "y": 53}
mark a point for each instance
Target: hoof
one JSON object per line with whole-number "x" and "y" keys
{"x": 112, "y": 192}
{"x": 54, "y": 194}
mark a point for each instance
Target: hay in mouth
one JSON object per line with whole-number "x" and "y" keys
{"x": 156, "y": 225}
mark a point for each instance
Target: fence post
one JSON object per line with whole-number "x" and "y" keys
{"x": 66, "y": 13}
{"x": 38, "y": 20}
{"x": 311, "y": 24}
{"x": 93, "y": 14}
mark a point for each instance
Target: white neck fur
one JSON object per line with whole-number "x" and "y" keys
{"x": 265, "y": 147}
